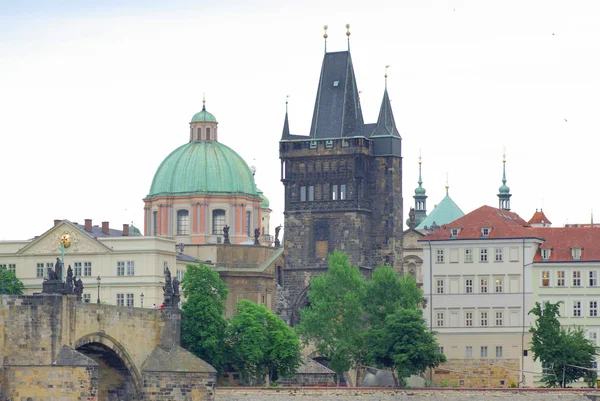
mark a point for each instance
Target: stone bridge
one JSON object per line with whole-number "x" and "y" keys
{"x": 57, "y": 348}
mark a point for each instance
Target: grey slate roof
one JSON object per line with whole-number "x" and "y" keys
{"x": 337, "y": 110}
{"x": 386, "y": 125}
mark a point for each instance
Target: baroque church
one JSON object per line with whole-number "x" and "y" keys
{"x": 342, "y": 183}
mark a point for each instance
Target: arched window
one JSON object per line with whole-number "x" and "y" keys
{"x": 218, "y": 220}
{"x": 199, "y": 133}
{"x": 248, "y": 221}
{"x": 155, "y": 223}
{"x": 183, "y": 222}
{"x": 208, "y": 133}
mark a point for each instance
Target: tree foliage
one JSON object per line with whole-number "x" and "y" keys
{"x": 397, "y": 336}
{"x": 203, "y": 324}
{"x": 334, "y": 318}
{"x": 261, "y": 344}
{"x": 9, "y": 283}
{"x": 562, "y": 352}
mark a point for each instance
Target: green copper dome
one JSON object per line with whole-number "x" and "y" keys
{"x": 446, "y": 212}
{"x": 134, "y": 231}
{"x": 265, "y": 201}
{"x": 203, "y": 167}
{"x": 204, "y": 117}
{"x": 504, "y": 189}
{"x": 420, "y": 190}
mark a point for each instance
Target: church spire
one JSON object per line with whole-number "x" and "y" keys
{"x": 286, "y": 125}
{"x": 504, "y": 191}
{"x": 386, "y": 125}
{"x": 420, "y": 199}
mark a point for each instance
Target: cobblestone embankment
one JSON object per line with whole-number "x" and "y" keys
{"x": 308, "y": 394}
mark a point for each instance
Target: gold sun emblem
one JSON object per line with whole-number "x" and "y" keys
{"x": 65, "y": 240}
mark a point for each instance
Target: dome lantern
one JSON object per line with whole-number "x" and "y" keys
{"x": 203, "y": 126}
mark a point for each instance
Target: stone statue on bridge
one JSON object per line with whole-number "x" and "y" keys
{"x": 256, "y": 235}
{"x": 58, "y": 269}
{"x": 70, "y": 279}
{"x": 78, "y": 288}
{"x": 226, "y": 234}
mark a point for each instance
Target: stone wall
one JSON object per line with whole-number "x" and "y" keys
{"x": 353, "y": 394}
{"x": 477, "y": 373}
{"x": 50, "y": 383}
{"x": 162, "y": 386}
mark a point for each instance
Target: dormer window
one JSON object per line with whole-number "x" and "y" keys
{"x": 485, "y": 232}
{"x": 576, "y": 253}
{"x": 329, "y": 144}
{"x": 546, "y": 253}
{"x": 454, "y": 232}
{"x": 313, "y": 144}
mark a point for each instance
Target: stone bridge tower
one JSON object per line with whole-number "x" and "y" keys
{"x": 343, "y": 184}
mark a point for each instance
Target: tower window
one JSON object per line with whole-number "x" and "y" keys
{"x": 183, "y": 222}
{"x": 218, "y": 218}
{"x": 208, "y": 134}
{"x": 302, "y": 194}
{"x": 342, "y": 191}
{"x": 155, "y": 223}
{"x": 311, "y": 193}
{"x": 329, "y": 144}
{"x": 313, "y": 144}
{"x": 199, "y": 133}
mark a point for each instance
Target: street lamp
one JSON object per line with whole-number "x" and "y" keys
{"x": 98, "y": 280}
{"x": 142, "y": 299}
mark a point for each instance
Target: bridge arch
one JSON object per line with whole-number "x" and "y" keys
{"x": 112, "y": 344}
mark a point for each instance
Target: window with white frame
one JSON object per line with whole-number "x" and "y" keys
{"x": 469, "y": 286}
{"x": 469, "y": 319}
{"x": 499, "y": 318}
{"x": 440, "y": 319}
{"x": 12, "y": 267}
{"x": 576, "y": 308}
{"x": 468, "y": 255}
{"x": 483, "y": 285}
{"x": 440, "y": 286}
{"x": 483, "y": 319}
{"x": 87, "y": 268}
{"x": 498, "y": 285}
{"x": 483, "y": 352}
{"x": 593, "y": 278}
{"x": 499, "y": 351}
{"x": 302, "y": 194}
{"x": 87, "y": 298}
{"x": 439, "y": 256}
{"x": 593, "y": 337}
{"x": 183, "y": 222}
{"x": 179, "y": 273}
{"x": 498, "y": 255}
{"x": 546, "y": 253}
{"x": 468, "y": 352}
{"x": 485, "y": 232}
{"x": 120, "y": 299}
{"x": 593, "y": 308}
{"x": 560, "y": 278}
{"x": 545, "y": 278}
{"x": 130, "y": 268}
{"x": 453, "y": 232}
{"x": 576, "y": 253}
{"x": 483, "y": 255}
{"x": 49, "y": 268}
{"x": 441, "y": 350}
{"x": 576, "y": 278}
{"x": 39, "y": 271}
{"x": 130, "y": 300}
{"x": 121, "y": 268}
{"x": 311, "y": 193}
{"x": 218, "y": 221}
{"x": 77, "y": 269}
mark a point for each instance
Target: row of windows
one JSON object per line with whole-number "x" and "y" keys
{"x": 338, "y": 192}
{"x": 122, "y": 298}
{"x": 199, "y": 133}
{"x": 10, "y": 266}
{"x": 577, "y": 311}
{"x": 471, "y": 285}
{"x": 575, "y": 253}
{"x": 79, "y": 269}
{"x": 483, "y": 351}
{"x": 126, "y": 267}
{"x": 577, "y": 279}
{"x": 218, "y": 222}
{"x": 484, "y": 255}
{"x": 485, "y": 319}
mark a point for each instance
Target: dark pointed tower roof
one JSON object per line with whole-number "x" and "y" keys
{"x": 286, "y": 125}
{"x": 337, "y": 110}
{"x": 386, "y": 125}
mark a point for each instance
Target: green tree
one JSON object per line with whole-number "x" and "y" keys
{"x": 203, "y": 325}
{"x": 334, "y": 318}
{"x": 397, "y": 335}
{"x": 565, "y": 353}
{"x": 9, "y": 283}
{"x": 261, "y": 344}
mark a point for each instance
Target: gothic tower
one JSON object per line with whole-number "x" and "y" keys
{"x": 343, "y": 183}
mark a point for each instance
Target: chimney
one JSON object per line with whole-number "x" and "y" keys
{"x": 57, "y": 222}
{"x": 125, "y": 230}
{"x": 88, "y": 225}
{"x": 105, "y": 227}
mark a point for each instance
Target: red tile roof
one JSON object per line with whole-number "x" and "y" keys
{"x": 502, "y": 224}
{"x": 562, "y": 239}
{"x": 539, "y": 218}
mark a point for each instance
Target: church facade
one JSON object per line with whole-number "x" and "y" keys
{"x": 342, "y": 183}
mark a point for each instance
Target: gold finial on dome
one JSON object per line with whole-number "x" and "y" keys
{"x": 203, "y": 101}
{"x": 325, "y": 36}
{"x": 347, "y": 29}
{"x": 504, "y": 155}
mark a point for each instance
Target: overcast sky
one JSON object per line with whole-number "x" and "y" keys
{"x": 94, "y": 96}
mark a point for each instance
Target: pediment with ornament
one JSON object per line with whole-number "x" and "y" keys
{"x": 78, "y": 242}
